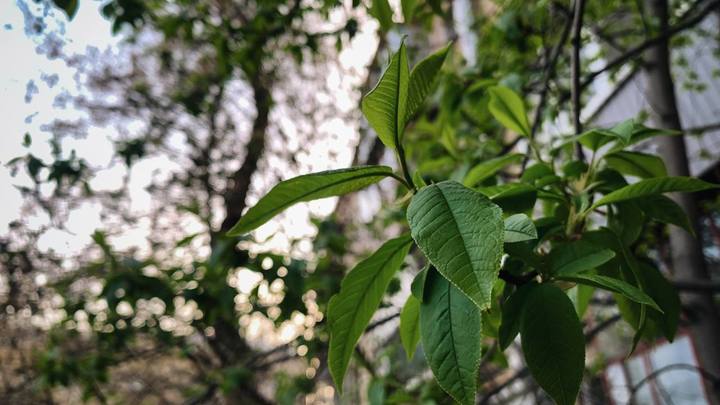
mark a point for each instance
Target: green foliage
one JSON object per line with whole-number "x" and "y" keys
{"x": 462, "y": 235}
{"x": 508, "y": 108}
{"x": 385, "y": 107}
{"x": 307, "y": 188}
{"x": 555, "y": 355}
{"x": 577, "y": 256}
{"x": 519, "y": 228}
{"x": 360, "y": 295}
{"x": 612, "y": 284}
{"x": 410, "y": 325}
{"x": 450, "y": 326}
{"x": 654, "y": 186}
{"x": 461, "y": 232}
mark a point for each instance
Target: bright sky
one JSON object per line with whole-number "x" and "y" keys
{"x": 21, "y": 65}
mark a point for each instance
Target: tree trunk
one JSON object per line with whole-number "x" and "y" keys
{"x": 687, "y": 255}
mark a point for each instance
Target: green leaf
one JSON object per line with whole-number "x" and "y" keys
{"x": 361, "y": 292}
{"x": 577, "y": 256}
{"x": 380, "y": 9}
{"x": 306, "y": 188}
{"x": 488, "y": 168}
{"x": 461, "y": 233}
{"x": 631, "y": 132}
{"x": 581, "y": 295}
{"x": 553, "y": 343}
{"x": 636, "y": 164}
{"x": 417, "y": 288}
{"x": 666, "y": 296}
{"x": 408, "y": 9}
{"x": 518, "y": 228}
{"x": 385, "y": 106}
{"x": 512, "y": 197}
{"x": 508, "y": 108}
{"x": 450, "y": 329}
{"x": 422, "y": 79}
{"x": 410, "y": 325}
{"x": 612, "y": 284}
{"x": 512, "y": 312}
{"x": 649, "y": 187}
{"x": 665, "y": 210}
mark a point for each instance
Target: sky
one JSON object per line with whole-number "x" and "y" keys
{"x": 49, "y": 77}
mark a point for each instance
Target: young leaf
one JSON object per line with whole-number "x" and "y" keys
{"x": 461, "y": 233}
{"x": 417, "y": 288}
{"x": 306, "y": 188}
{"x": 508, "y": 108}
{"x": 575, "y": 257}
{"x": 410, "y": 325}
{"x": 361, "y": 292}
{"x": 612, "y": 284}
{"x": 380, "y": 9}
{"x": 519, "y": 227}
{"x": 555, "y": 355}
{"x": 422, "y": 79}
{"x": 665, "y": 210}
{"x": 385, "y": 106}
{"x": 408, "y": 9}
{"x": 636, "y": 164}
{"x": 450, "y": 328}
{"x": 489, "y": 167}
{"x": 649, "y": 187}
{"x": 511, "y": 314}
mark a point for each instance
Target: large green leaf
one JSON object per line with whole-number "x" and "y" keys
{"x": 553, "y": 343}
{"x": 508, "y": 108}
{"x": 450, "y": 329}
{"x": 461, "y": 233}
{"x": 518, "y": 228}
{"x": 636, "y": 164}
{"x": 306, "y": 188}
{"x": 665, "y": 210}
{"x": 410, "y": 325}
{"x": 577, "y": 256}
{"x": 649, "y": 187}
{"x": 512, "y": 312}
{"x": 489, "y": 167}
{"x": 385, "y": 107}
{"x": 361, "y": 292}
{"x": 422, "y": 79}
{"x": 612, "y": 284}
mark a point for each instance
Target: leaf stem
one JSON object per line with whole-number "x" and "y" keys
{"x": 403, "y": 164}
{"x": 402, "y": 181}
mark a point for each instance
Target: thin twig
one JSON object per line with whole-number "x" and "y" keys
{"x": 575, "y": 90}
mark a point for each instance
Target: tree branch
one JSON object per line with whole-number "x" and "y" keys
{"x": 575, "y": 90}
{"x": 701, "y": 9}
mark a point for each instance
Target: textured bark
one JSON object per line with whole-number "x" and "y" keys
{"x": 687, "y": 255}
